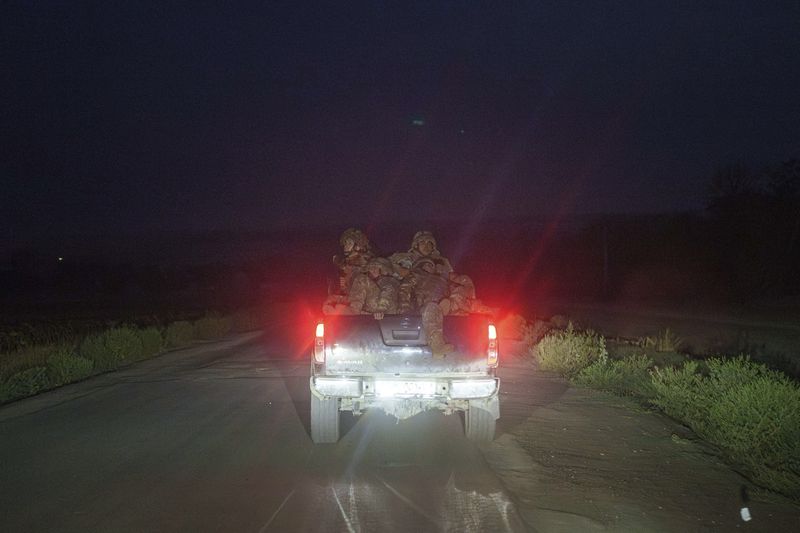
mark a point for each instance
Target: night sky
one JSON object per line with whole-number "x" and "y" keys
{"x": 120, "y": 116}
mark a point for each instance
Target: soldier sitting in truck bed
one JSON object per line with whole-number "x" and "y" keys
{"x": 374, "y": 291}
{"x": 430, "y": 292}
{"x": 356, "y": 253}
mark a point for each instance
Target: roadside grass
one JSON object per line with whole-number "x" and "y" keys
{"x": 152, "y": 341}
{"x": 31, "y": 367}
{"x": 112, "y": 348}
{"x": 29, "y": 336}
{"x": 66, "y": 367}
{"x": 749, "y": 411}
{"x": 569, "y": 351}
{"x": 178, "y": 334}
{"x": 24, "y": 358}
{"x": 626, "y": 377}
{"x": 212, "y": 326}
{"x": 665, "y": 341}
{"x": 247, "y": 320}
{"x": 25, "y": 383}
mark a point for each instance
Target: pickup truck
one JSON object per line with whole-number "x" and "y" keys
{"x": 360, "y": 362}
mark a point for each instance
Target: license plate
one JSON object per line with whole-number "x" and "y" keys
{"x": 405, "y": 388}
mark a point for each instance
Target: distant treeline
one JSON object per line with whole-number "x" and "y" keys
{"x": 741, "y": 248}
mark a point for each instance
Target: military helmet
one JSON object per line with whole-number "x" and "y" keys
{"x": 401, "y": 259}
{"x": 383, "y": 264}
{"x": 422, "y": 262}
{"x": 358, "y": 237}
{"x": 420, "y": 236}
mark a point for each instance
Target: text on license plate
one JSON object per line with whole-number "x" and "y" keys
{"x": 405, "y": 388}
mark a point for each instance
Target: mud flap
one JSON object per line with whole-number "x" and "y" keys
{"x": 491, "y": 404}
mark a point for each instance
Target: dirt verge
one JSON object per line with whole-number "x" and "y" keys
{"x": 588, "y": 461}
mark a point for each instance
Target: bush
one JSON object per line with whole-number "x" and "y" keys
{"x": 667, "y": 341}
{"x": 66, "y": 367}
{"x": 29, "y": 357}
{"x": 627, "y": 377}
{"x": 152, "y": 342}
{"x": 751, "y": 412}
{"x": 112, "y": 348}
{"x": 678, "y": 393}
{"x": 25, "y": 383}
{"x": 178, "y": 334}
{"x": 212, "y": 326}
{"x": 247, "y": 320}
{"x": 758, "y": 426}
{"x": 568, "y": 352}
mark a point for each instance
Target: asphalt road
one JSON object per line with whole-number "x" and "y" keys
{"x": 215, "y": 437}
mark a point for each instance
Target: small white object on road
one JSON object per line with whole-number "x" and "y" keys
{"x": 745, "y": 512}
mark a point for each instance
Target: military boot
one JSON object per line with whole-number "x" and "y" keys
{"x": 439, "y": 348}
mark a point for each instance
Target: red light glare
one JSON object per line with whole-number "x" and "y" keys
{"x": 492, "y": 332}
{"x": 320, "y": 330}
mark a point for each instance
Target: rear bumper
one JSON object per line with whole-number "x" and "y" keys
{"x": 368, "y": 388}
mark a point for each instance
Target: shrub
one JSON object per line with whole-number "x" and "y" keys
{"x": 247, "y": 320}
{"x": 111, "y": 348}
{"x": 678, "y": 393}
{"x": 29, "y": 357}
{"x": 568, "y": 352}
{"x": 758, "y": 426}
{"x": 66, "y": 367}
{"x": 178, "y": 334}
{"x": 627, "y": 377}
{"x": 537, "y": 331}
{"x": 751, "y": 412}
{"x": 152, "y": 342}
{"x": 212, "y": 326}
{"x": 667, "y": 341}
{"x": 25, "y": 383}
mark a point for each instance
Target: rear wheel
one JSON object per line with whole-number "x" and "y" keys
{"x": 324, "y": 420}
{"x": 479, "y": 425}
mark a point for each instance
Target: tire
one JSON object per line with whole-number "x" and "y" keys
{"x": 479, "y": 425}
{"x": 324, "y": 420}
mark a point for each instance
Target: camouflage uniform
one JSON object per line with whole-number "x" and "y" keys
{"x": 374, "y": 291}
{"x": 430, "y": 293}
{"x": 357, "y": 253}
{"x": 336, "y": 304}
{"x": 402, "y": 263}
{"x": 462, "y": 294}
{"x": 424, "y": 245}
{"x": 431, "y": 290}
{"x": 463, "y": 299}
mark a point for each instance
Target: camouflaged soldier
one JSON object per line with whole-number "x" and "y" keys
{"x": 430, "y": 293}
{"x": 402, "y": 263}
{"x": 463, "y": 299}
{"x": 356, "y": 254}
{"x": 462, "y": 294}
{"x": 424, "y": 245}
{"x": 374, "y": 291}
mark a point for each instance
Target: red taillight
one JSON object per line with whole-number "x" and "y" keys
{"x": 319, "y": 344}
{"x": 492, "y": 351}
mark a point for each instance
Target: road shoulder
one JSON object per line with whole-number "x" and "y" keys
{"x": 590, "y": 461}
